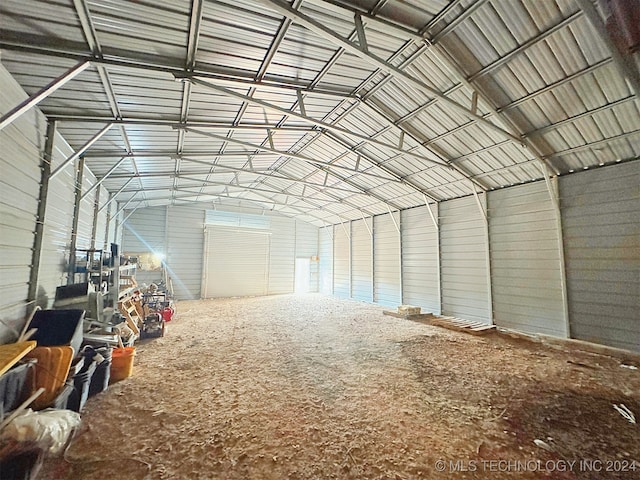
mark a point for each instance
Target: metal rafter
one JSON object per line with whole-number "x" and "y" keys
{"x": 284, "y": 9}
{"x": 270, "y": 173}
{"x": 190, "y": 61}
{"x": 258, "y": 192}
{"x": 91, "y": 36}
{"x": 313, "y": 121}
{"x": 625, "y": 65}
{"x": 324, "y": 166}
{"x": 450, "y": 63}
{"x": 40, "y": 45}
{"x": 380, "y": 110}
{"x": 37, "y": 97}
{"x": 359, "y": 33}
{"x": 308, "y": 160}
{"x": 398, "y": 177}
{"x": 444, "y": 58}
{"x": 155, "y": 122}
{"x": 225, "y": 169}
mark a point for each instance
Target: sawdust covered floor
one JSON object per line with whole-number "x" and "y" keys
{"x": 307, "y": 387}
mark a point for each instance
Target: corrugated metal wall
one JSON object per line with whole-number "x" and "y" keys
{"x": 85, "y": 222}
{"x": 600, "y": 210}
{"x": 282, "y": 255}
{"x": 184, "y": 251}
{"x": 102, "y": 221}
{"x": 144, "y": 232}
{"x": 386, "y": 261}
{"x": 307, "y": 247}
{"x": 525, "y": 260}
{"x": 420, "y": 259}
{"x": 236, "y": 262}
{"x": 22, "y": 143}
{"x": 463, "y": 254}
{"x": 341, "y": 263}
{"x": 22, "y": 151}
{"x": 58, "y": 223}
{"x": 362, "y": 260}
{"x": 325, "y": 250}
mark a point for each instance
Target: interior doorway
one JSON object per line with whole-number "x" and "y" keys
{"x": 303, "y": 275}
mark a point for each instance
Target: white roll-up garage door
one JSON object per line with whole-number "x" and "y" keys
{"x": 236, "y": 262}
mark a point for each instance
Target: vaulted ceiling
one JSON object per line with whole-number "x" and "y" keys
{"x": 330, "y": 110}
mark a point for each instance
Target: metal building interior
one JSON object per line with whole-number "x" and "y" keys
{"x": 475, "y": 158}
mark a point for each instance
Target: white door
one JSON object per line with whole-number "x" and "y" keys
{"x": 236, "y": 262}
{"x": 303, "y": 275}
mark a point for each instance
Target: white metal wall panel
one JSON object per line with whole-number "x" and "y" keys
{"x": 20, "y": 177}
{"x": 362, "y": 260}
{"x": 85, "y": 220}
{"x": 144, "y": 231}
{"x": 325, "y": 246}
{"x": 185, "y": 247}
{"x": 600, "y": 212}
{"x": 341, "y": 263}
{"x": 420, "y": 282}
{"x": 57, "y": 227}
{"x": 102, "y": 219}
{"x": 386, "y": 263}
{"x": 463, "y": 255}
{"x": 237, "y": 262}
{"x": 525, "y": 260}
{"x": 282, "y": 256}
{"x": 307, "y": 247}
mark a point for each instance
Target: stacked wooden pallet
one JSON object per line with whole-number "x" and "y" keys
{"x": 452, "y": 323}
{"x": 460, "y": 325}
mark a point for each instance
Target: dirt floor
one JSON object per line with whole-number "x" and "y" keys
{"x": 310, "y": 387}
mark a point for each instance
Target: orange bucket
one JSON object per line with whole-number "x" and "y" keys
{"x": 122, "y": 363}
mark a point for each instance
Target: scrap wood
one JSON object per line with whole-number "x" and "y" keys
{"x": 11, "y": 353}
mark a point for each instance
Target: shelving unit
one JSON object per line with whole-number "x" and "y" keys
{"x": 95, "y": 266}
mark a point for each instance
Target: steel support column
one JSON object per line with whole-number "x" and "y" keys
{"x": 485, "y": 219}
{"x": 74, "y": 228}
{"x": 45, "y": 168}
{"x": 94, "y": 226}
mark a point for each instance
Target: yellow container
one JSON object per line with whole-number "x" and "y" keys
{"x": 122, "y": 363}
{"x": 51, "y": 372}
